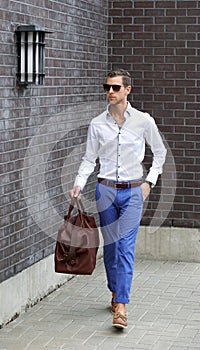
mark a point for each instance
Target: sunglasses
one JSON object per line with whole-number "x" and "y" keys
{"x": 115, "y": 88}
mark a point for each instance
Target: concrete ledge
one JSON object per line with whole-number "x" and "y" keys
{"x": 25, "y": 289}
{"x": 28, "y": 287}
{"x": 168, "y": 243}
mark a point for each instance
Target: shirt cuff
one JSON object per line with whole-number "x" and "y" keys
{"x": 152, "y": 176}
{"x": 79, "y": 181}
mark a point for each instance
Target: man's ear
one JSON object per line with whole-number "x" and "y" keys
{"x": 128, "y": 89}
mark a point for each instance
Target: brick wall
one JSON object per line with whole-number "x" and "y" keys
{"x": 159, "y": 43}
{"x": 43, "y": 128}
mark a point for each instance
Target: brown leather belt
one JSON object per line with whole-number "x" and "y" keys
{"x": 114, "y": 184}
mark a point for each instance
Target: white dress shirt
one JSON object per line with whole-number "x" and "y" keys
{"x": 121, "y": 150}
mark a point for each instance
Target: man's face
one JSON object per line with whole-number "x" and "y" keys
{"x": 117, "y": 97}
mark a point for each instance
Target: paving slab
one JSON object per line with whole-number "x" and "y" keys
{"x": 164, "y": 313}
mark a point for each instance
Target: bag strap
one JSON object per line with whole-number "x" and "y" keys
{"x": 79, "y": 205}
{"x": 72, "y": 254}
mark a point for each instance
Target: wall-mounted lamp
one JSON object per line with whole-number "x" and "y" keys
{"x": 31, "y": 54}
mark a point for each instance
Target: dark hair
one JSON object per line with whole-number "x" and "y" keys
{"x": 126, "y": 77}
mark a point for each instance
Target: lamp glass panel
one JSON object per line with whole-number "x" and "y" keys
{"x": 30, "y": 57}
{"x": 37, "y": 58}
{"x": 22, "y": 57}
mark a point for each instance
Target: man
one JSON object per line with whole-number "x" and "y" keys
{"x": 117, "y": 137}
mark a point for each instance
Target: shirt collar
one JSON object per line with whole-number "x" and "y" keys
{"x": 126, "y": 114}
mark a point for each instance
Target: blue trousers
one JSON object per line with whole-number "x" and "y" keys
{"x": 120, "y": 213}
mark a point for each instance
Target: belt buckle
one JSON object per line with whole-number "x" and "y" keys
{"x": 119, "y": 185}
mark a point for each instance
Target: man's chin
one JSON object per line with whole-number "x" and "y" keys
{"x": 112, "y": 101}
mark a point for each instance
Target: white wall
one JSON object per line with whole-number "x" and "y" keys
{"x": 168, "y": 243}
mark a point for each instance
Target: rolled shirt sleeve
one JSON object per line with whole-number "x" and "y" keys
{"x": 154, "y": 140}
{"x": 89, "y": 160}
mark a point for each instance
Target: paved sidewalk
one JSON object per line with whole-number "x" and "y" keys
{"x": 164, "y": 313}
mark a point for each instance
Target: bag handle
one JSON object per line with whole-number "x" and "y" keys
{"x": 79, "y": 205}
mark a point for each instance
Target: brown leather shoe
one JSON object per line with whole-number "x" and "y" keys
{"x": 113, "y": 306}
{"x": 120, "y": 321}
